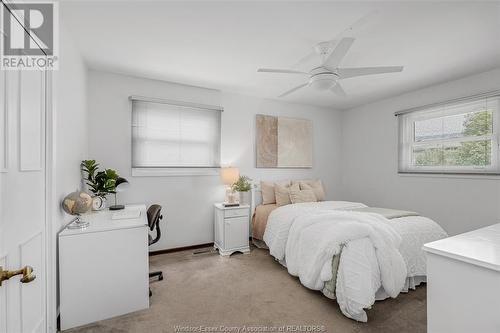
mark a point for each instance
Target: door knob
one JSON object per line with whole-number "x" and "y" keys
{"x": 26, "y": 272}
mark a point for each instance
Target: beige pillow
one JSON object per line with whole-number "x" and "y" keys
{"x": 283, "y": 193}
{"x": 302, "y": 196}
{"x": 267, "y": 190}
{"x": 316, "y": 186}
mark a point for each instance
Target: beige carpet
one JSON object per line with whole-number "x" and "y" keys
{"x": 210, "y": 291}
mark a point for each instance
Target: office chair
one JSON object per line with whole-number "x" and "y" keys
{"x": 154, "y": 217}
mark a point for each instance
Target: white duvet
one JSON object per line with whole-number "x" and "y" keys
{"x": 378, "y": 255}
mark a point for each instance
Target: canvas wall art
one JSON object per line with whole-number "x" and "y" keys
{"x": 283, "y": 142}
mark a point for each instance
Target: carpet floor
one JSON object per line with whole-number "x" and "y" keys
{"x": 207, "y": 293}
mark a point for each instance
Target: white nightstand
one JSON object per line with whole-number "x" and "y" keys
{"x": 231, "y": 229}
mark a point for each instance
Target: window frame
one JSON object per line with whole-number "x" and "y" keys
{"x": 406, "y": 137}
{"x": 157, "y": 171}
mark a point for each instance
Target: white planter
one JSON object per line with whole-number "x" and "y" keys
{"x": 98, "y": 203}
{"x": 244, "y": 198}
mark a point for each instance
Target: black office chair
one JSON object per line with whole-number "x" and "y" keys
{"x": 154, "y": 217}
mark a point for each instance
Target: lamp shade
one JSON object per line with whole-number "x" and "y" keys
{"x": 229, "y": 175}
{"x": 121, "y": 184}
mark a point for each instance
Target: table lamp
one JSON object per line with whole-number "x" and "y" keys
{"x": 229, "y": 176}
{"x": 121, "y": 185}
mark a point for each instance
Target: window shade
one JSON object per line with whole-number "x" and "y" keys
{"x": 454, "y": 137}
{"x": 174, "y": 136}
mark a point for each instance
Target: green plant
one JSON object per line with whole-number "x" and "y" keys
{"x": 101, "y": 183}
{"x": 242, "y": 184}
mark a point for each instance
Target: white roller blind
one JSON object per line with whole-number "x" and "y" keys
{"x": 173, "y": 136}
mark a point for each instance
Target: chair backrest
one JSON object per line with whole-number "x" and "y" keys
{"x": 154, "y": 217}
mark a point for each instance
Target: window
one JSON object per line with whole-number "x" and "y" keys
{"x": 455, "y": 137}
{"x": 167, "y": 134}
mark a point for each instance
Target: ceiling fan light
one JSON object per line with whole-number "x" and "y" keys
{"x": 323, "y": 81}
{"x": 322, "y": 84}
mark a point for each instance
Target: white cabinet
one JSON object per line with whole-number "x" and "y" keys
{"x": 103, "y": 269}
{"x": 463, "y": 276}
{"x": 231, "y": 229}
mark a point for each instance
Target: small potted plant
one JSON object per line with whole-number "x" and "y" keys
{"x": 243, "y": 186}
{"x": 100, "y": 183}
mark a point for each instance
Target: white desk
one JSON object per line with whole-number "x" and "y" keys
{"x": 104, "y": 268}
{"x": 463, "y": 282}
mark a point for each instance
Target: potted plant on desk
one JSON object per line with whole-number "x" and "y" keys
{"x": 243, "y": 187}
{"x": 100, "y": 183}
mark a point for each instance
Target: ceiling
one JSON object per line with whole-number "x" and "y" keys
{"x": 220, "y": 45}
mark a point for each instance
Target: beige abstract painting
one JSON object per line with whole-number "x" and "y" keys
{"x": 267, "y": 141}
{"x": 294, "y": 143}
{"x": 283, "y": 142}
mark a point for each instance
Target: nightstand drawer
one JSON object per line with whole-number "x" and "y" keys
{"x": 236, "y": 212}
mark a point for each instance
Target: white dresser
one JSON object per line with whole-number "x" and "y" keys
{"x": 463, "y": 282}
{"x": 231, "y": 229}
{"x": 104, "y": 268}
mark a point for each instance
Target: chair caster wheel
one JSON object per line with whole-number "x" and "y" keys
{"x": 160, "y": 278}
{"x": 150, "y": 293}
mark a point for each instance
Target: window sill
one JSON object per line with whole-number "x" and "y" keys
{"x": 174, "y": 172}
{"x": 451, "y": 175}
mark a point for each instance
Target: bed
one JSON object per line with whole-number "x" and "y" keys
{"x": 348, "y": 251}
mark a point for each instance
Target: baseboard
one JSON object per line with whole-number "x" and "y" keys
{"x": 184, "y": 248}
{"x": 178, "y": 249}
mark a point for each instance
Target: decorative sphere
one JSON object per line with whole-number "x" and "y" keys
{"x": 77, "y": 203}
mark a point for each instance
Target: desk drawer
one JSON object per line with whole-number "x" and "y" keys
{"x": 236, "y": 212}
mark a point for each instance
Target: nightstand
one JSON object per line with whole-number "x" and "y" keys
{"x": 231, "y": 229}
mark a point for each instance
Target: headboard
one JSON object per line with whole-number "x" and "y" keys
{"x": 256, "y": 198}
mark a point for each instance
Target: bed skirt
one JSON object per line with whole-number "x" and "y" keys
{"x": 259, "y": 243}
{"x": 411, "y": 283}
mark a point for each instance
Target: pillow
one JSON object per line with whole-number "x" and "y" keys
{"x": 283, "y": 193}
{"x": 316, "y": 186}
{"x": 267, "y": 189}
{"x": 302, "y": 196}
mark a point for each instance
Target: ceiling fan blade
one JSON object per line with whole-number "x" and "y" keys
{"x": 281, "y": 71}
{"x": 293, "y": 89}
{"x": 338, "y": 90}
{"x": 360, "y": 23}
{"x": 346, "y": 73}
{"x": 348, "y": 32}
{"x": 334, "y": 59}
{"x": 305, "y": 59}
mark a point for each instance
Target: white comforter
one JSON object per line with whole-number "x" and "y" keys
{"x": 378, "y": 252}
{"x": 281, "y": 219}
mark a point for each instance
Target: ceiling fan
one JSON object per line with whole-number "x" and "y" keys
{"x": 327, "y": 75}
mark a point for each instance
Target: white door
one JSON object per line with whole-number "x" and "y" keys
{"x": 236, "y": 232}
{"x": 22, "y": 200}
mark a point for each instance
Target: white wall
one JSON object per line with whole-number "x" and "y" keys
{"x": 70, "y": 89}
{"x": 369, "y": 162}
{"x": 238, "y": 139}
{"x": 70, "y": 141}
{"x": 187, "y": 201}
